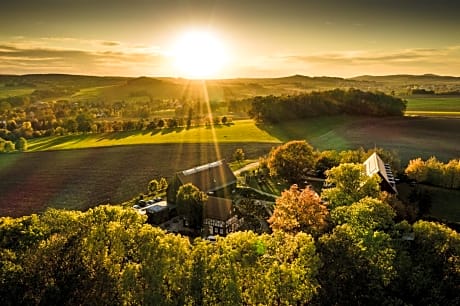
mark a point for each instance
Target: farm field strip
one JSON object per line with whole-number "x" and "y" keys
{"x": 433, "y": 104}
{"x": 240, "y": 131}
{"x": 433, "y": 113}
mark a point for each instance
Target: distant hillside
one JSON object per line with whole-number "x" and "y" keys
{"x": 77, "y": 88}
{"x": 407, "y": 78}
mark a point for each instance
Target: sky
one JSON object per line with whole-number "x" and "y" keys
{"x": 260, "y": 38}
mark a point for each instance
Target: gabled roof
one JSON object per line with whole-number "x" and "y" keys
{"x": 218, "y": 208}
{"x": 209, "y": 177}
{"x": 375, "y": 165}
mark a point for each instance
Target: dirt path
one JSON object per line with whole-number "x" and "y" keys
{"x": 246, "y": 168}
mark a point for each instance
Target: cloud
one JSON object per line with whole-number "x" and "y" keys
{"x": 23, "y": 58}
{"x": 110, "y": 43}
{"x": 422, "y": 60}
{"x": 357, "y": 57}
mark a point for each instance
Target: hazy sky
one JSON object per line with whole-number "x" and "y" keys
{"x": 262, "y": 38}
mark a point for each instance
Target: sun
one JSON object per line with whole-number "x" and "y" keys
{"x": 199, "y": 55}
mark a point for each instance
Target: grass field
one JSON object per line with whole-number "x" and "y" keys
{"x": 433, "y": 106}
{"x": 241, "y": 131}
{"x": 6, "y": 92}
{"x": 410, "y": 137}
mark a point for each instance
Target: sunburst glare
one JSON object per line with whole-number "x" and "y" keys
{"x": 199, "y": 54}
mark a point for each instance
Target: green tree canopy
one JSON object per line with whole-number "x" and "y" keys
{"x": 291, "y": 160}
{"x": 190, "y": 201}
{"x": 21, "y": 144}
{"x": 350, "y": 184}
{"x": 368, "y": 213}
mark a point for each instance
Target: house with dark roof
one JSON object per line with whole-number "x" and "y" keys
{"x": 375, "y": 165}
{"x": 219, "y": 216}
{"x": 216, "y": 179}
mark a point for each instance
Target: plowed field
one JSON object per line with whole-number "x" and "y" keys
{"x": 80, "y": 179}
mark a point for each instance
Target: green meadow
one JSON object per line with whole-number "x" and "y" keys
{"x": 240, "y": 131}
{"x": 433, "y": 106}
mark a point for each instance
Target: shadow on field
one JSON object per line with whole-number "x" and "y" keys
{"x": 165, "y": 131}
{"x": 277, "y": 131}
{"x": 57, "y": 141}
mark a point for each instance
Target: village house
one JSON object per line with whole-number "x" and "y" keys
{"x": 375, "y": 165}
{"x": 219, "y": 216}
{"x": 218, "y": 181}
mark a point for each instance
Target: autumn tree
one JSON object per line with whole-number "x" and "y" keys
{"x": 299, "y": 211}
{"x": 291, "y": 160}
{"x": 350, "y": 183}
{"x": 190, "y": 201}
{"x": 417, "y": 170}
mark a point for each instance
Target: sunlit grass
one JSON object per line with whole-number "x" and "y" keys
{"x": 433, "y": 105}
{"x": 239, "y": 131}
{"x": 6, "y": 92}
{"x": 433, "y": 113}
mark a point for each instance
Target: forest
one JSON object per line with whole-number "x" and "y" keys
{"x": 353, "y": 101}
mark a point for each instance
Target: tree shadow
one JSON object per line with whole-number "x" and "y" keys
{"x": 60, "y": 140}
{"x": 165, "y": 131}
{"x": 276, "y": 130}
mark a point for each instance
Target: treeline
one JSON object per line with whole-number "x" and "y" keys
{"x": 7, "y": 146}
{"x": 353, "y": 101}
{"x": 62, "y": 117}
{"x": 434, "y": 172}
{"x": 109, "y": 256}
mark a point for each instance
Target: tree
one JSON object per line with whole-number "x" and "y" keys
{"x": 8, "y": 146}
{"x": 153, "y": 187}
{"x": 428, "y": 266}
{"x": 84, "y": 122}
{"x": 417, "y": 170}
{"x": 350, "y": 184}
{"x": 21, "y": 144}
{"x": 163, "y": 185}
{"x": 368, "y": 213}
{"x": 327, "y": 160}
{"x": 190, "y": 201}
{"x": 358, "y": 265}
{"x": 189, "y": 118}
{"x": 299, "y": 211}
{"x": 291, "y": 160}
{"x": 238, "y": 155}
